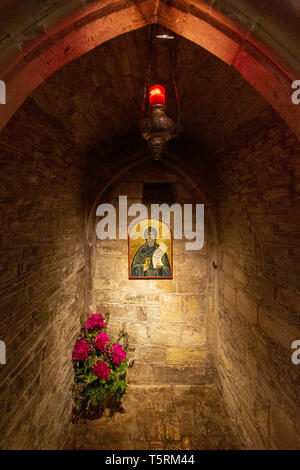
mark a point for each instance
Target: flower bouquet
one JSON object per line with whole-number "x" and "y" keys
{"x": 100, "y": 366}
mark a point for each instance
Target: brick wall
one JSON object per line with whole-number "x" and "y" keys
{"x": 170, "y": 322}
{"x": 42, "y": 267}
{"x": 259, "y": 225}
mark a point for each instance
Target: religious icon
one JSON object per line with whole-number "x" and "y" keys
{"x": 150, "y": 248}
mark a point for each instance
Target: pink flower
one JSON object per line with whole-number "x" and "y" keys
{"x": 118, "y": 354}
{"x": 95, "y": 320}
{"x": 80, "y": 350}
{"x": 102, "y": 370}
{"x": 101, "y": 340}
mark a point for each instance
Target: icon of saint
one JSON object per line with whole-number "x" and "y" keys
{"x": 142, "y": 263}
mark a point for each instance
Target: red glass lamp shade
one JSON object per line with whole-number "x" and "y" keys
{"x": 157, "y": 95}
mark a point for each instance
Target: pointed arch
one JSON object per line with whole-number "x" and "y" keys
{"x": 81, "y": 29}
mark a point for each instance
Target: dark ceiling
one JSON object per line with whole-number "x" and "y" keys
{"x": 96, "y": 100}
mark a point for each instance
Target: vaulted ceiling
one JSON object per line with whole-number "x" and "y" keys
{"x": 96, "y": 99}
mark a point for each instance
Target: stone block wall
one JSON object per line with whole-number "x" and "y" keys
{"x": 41, "y": 280}
{"x": 50, "y": 279}
{"x": 259, "y": 227}
{"x": 169, "y": 322}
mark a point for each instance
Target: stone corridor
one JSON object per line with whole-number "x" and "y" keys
{"x": 177, "y": 417}
{"x": 212, "y": 341}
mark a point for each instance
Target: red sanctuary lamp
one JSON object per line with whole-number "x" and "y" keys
{"x": 157, "y": 95}
{"x": 157, "y": 128}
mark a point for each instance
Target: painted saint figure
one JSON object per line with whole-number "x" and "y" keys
{"x": 142, "y": 264}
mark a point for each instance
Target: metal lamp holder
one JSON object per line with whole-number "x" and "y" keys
{"x": 156, "y": 127}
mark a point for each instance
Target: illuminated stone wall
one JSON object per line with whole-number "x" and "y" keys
{"x": 258, "y": 223}
{"x": 41, "y": 280}
{"x": 170, "y": 322}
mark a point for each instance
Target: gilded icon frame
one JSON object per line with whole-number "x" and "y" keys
{"x": 138, "y": 247}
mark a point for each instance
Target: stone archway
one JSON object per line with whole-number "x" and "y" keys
{"x": 63, "y": 35}
{"x": 255, "y": 307}
{"x": 197, "y": 187}
{"x": 175, "y": 320}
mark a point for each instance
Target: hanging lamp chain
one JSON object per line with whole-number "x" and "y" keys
{"x": 173, "y": 74}
{"x": 149, "y": 66}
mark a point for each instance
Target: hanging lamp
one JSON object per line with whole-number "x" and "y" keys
{"x": 156, "y": 127}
